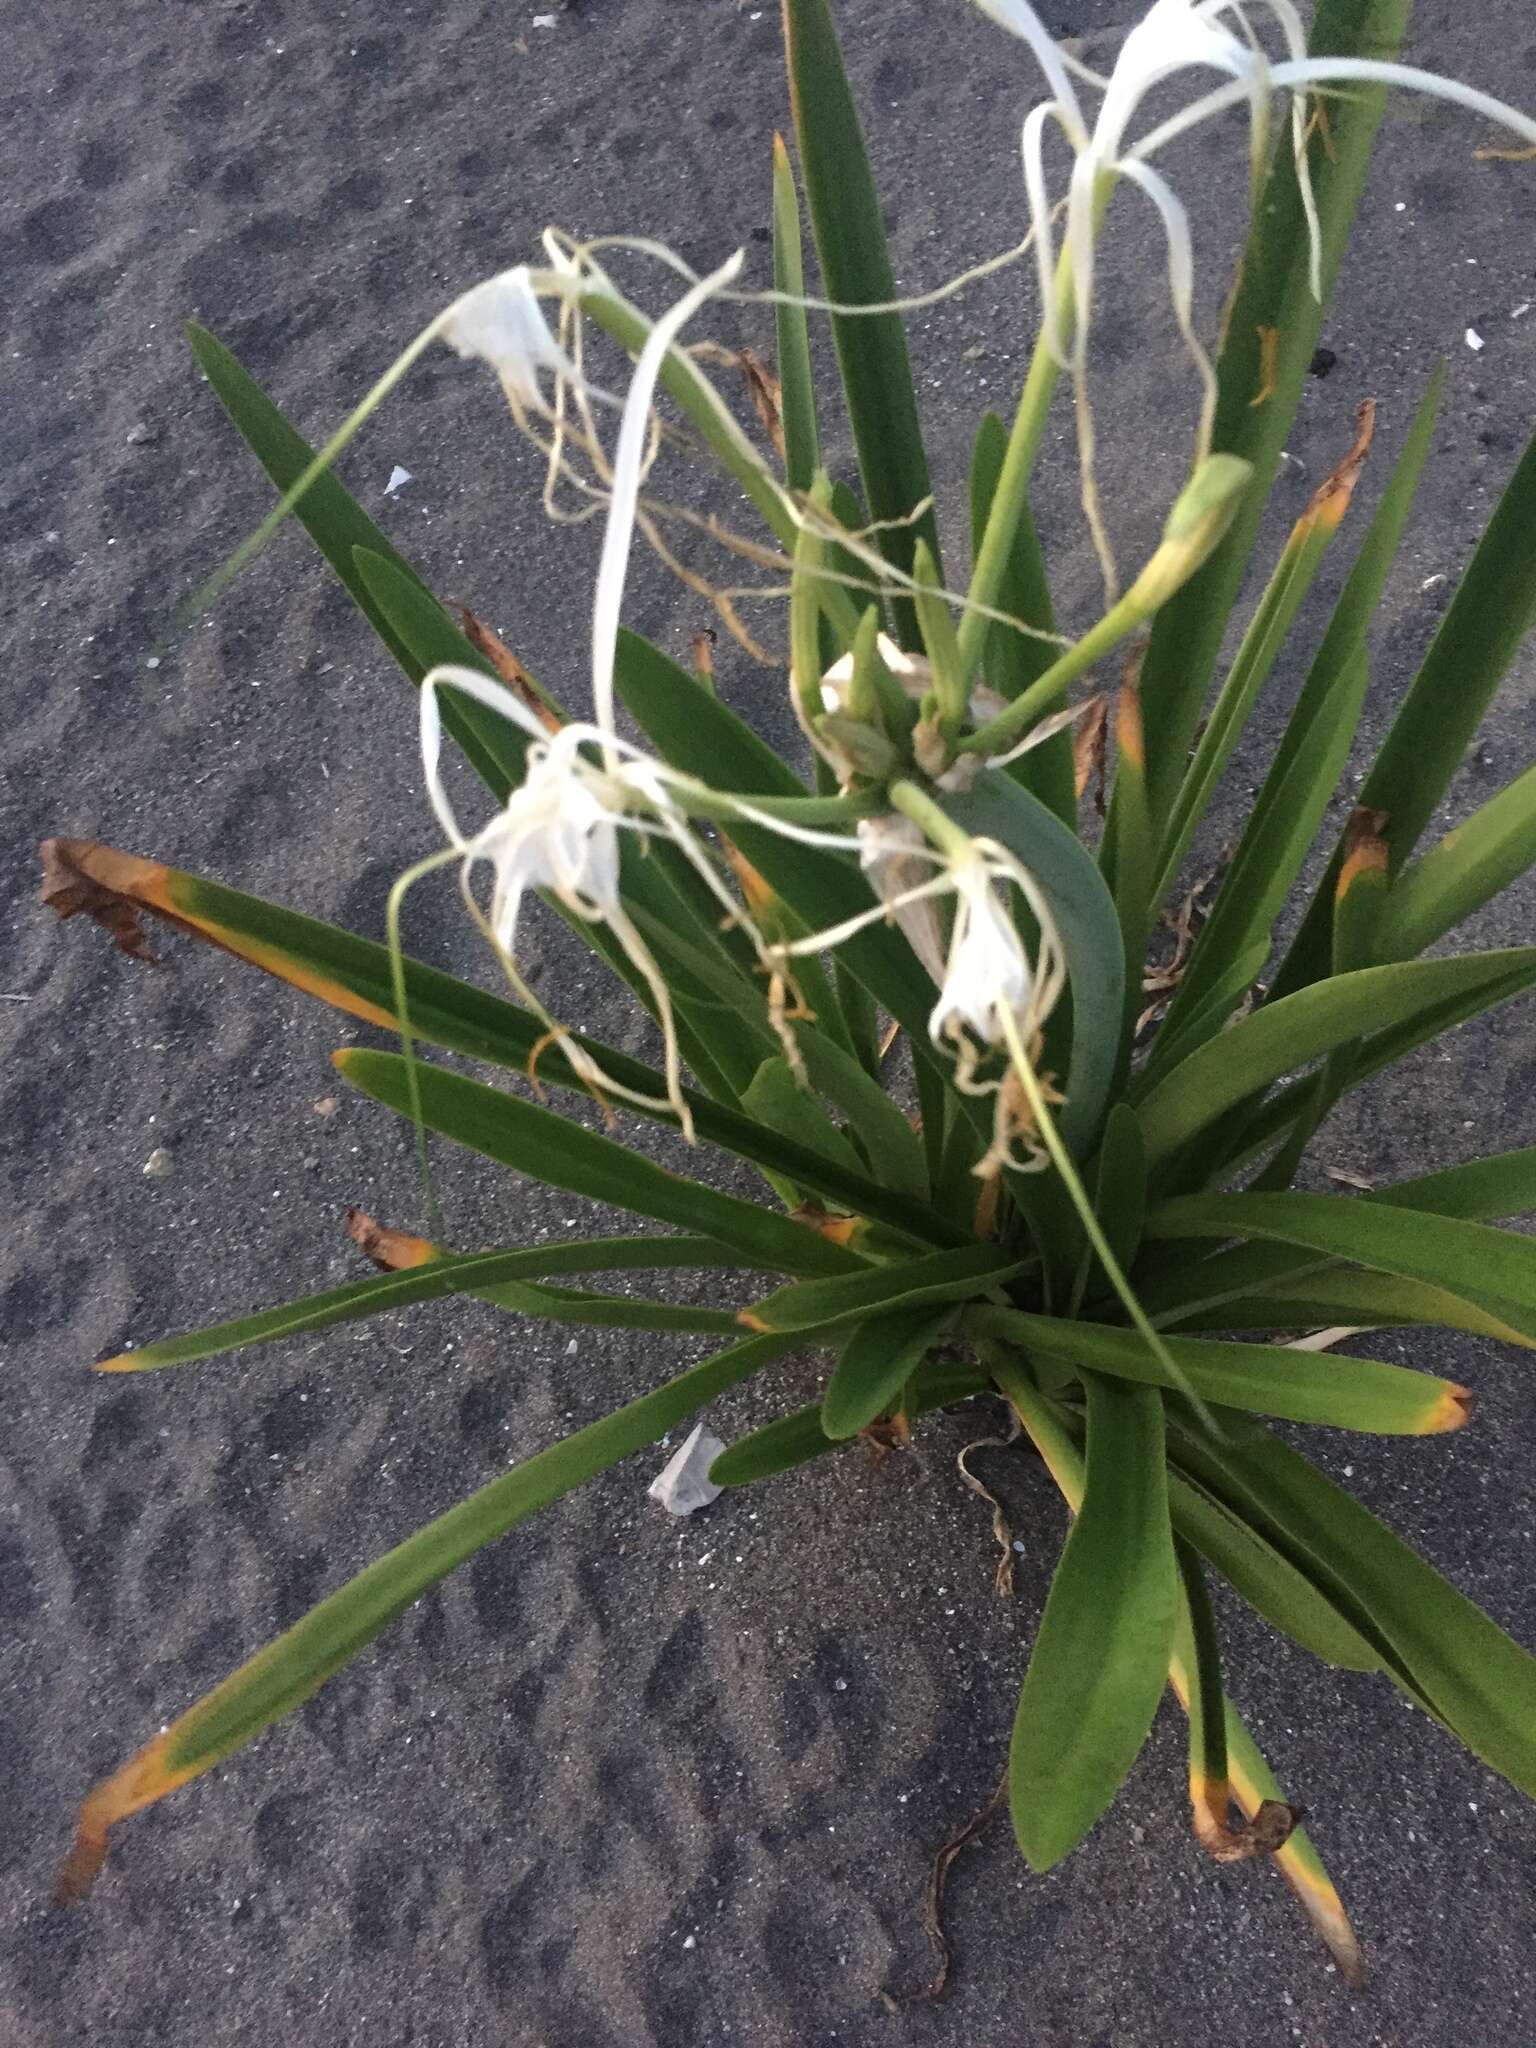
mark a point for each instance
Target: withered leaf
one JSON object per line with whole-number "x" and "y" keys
{"x": 767, "y": 399}
{"x": 77, "y": 876}
{"x": 508, "y": 667}
{"x": 1088, "y": 749}
{"x": 1270, "y": 1829}
{"x": 392, "y": 1251}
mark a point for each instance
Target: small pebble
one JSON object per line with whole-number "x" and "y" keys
{"x": 158, "y": 1164}
{"x": 1474, "y": 340}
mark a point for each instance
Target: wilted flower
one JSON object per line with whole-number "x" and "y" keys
{"x": 501, "y": 322}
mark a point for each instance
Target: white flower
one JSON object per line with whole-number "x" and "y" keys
{"x": 1177, "y": 35}
{"x": 559, "y": 831}
{"x": 502, "y": 323}
{"x": 986, "y": 972}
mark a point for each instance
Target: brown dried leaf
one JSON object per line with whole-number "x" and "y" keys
{"x": 704, "y": 654}
{"x": 843, "y": 1230}
{"x": 1089, "y": 744}
{"x": 507, "y": 667}
{"x": 392, "y": 1251}
{"x": 1270, "y": 1829}
{"x": 70, "y": 887}
{"x": 933, "y": 1906}
{"x": 767, "y": 399}
{"x": 1330, "y": 501}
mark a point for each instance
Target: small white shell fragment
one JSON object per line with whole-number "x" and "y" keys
{"x": 158, "y": 1164}
{"x": 683, "y": 1484}
{"x": 1474, "y": 340}
{"x": 543, "y": 21}
{"x": 397, "y": 478}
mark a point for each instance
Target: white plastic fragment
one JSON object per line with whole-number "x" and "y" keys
{"x": 543, "y": 21}
{"x": 397, "y": 478}
{"x": 1474, "y": 340}
{"x": 683, "y": 1484}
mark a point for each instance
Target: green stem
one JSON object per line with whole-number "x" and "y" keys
{"x": 1012, "y": 493}
{"x": 925, "y": 814}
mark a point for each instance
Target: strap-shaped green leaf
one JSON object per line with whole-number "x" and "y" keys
{"x": 1280, "y": 830}
{"x": 1481, "y": 1191}
{"x": 1469, "y": 866}
{"x": 777, "y": 1099}
{"x": 797, "y": 388}
{"x": 796, "y": 1439}
{"x": 1270, "y": 333}
{"x": 340, "y": 528}
{"x": 856, "y": 271}
{"x": 1294, "y": 573}
{"x": 1228, "y": 1070}
{"x": 1344, "y": 1296}
{"x": 879, "y": 1124}
{"x": 1307, "y": 764}
{"x": 1119, "y": 1200}
{"x": 1488, "y": 618}
{"x": 875, "y": 1364}
{"x": 607, "y": 1311}
{"x": 1441, "y": 1648}
{"x": 475, "y": 1273}
{"x": 1493, "y": 1269}
{"x": 960, "y": 1275}
{"x": 562, "y": 1154}
{"x": 1100, "y": 1659}
{"x": 1266, "y": 1379}
{"x": 285, "y": 1673}
{"x": 353, "y": 975}
{"x": 1267, "y": 1579}
{"x": 1056, "y": 1433}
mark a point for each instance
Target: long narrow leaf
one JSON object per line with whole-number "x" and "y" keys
{"x": 1490, "y": 615}
{"x": 1014, "y": 660}
{"x": 1269, "y": 336}
{"x": 1100, "y": 1659}
{"x": 468, "y": 1273}
{"x": 353, "y": 975}
{"x": 1464, "y": 1667}
{"x": 1296, "y": 1386}
{"x": 961, "y": 1275}
{"x": 875, "y": 1364}
{"x": 561, "y": 1154}
{"x": 802, "y": 449}
{"x": 1284, "y": 1036}
{"x": 856, "y": 270}
{"x": 1495, "y": 1269}
{"x": 1253, "y": 1783}
{"x": 298, "y": 1663}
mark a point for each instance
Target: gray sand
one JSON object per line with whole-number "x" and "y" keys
{"x": 618, "y": 1782}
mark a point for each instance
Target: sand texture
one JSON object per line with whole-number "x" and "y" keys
{"x": 619, "y": 1782}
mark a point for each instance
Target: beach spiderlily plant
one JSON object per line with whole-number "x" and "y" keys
{"x": 1015, "y": 1142}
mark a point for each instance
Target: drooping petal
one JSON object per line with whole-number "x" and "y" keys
{"x": 502, "y": 323}
{"x": 619, "y": 533}
{"x": 1021, "y": 20}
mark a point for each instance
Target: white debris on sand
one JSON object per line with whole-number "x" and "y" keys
{"x": 683, "y": 1484}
